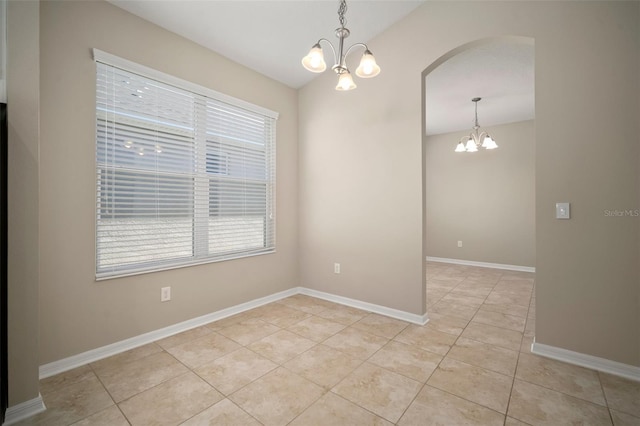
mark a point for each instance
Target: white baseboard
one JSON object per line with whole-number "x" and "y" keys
{"x": 593, "y": 362}
{"x": 23, "y": 410}
{"x": 482, "y": 264}
{"x": 378, "y": 309}
{"x": 93, "y": 355}
{"x": 66, "y": 364}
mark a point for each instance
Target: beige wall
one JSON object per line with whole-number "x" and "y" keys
{"x": 23, "y": 95}
{"x": 361, "y": 181}
{"x": 76, "y": 312}
{"x": 485, "y": 199}
{"x": 360, "y": 176}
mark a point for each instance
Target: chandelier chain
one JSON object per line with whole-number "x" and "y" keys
{"x": 342, "y": 9}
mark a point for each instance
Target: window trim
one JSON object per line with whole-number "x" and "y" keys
{"x": 118, "y": 62}
{"x": 124, "y": 64}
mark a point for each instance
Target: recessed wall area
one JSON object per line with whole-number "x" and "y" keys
{"x": 484, "y": 200}
{"x": 480, "y": 207}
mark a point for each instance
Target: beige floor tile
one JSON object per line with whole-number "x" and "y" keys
{"x": 433, "y": 296}
{"x": 562, "y": 377}
{"x": 235, "y": 370}
{"x": 380, "y": 325}
{"x": 514, "y": 286}
{"x": 624, "y": 419}
{"x": 225, "y": 413}
{"x": 426, "y": 338}
{"x": 508, "y": 339}
{"x": 203, "y": 350}
{"x": 343, "y": 314}
{"x": 116, "y": 361}
{"x": 479, "y": 281}
{"x": 499, "y": 319}
{"x": 334, "y": 410}
{"x": 530, "y": 327}
{"x": 134, "y": 377}
{"x": 518, "y": 275}
{"x": 463, "y": 299}
{"x": 536, "y": 405}
{"x": 446, "y": 324}
{"x": 455, "y": 309}
{"x": 111, "y": 416}
{"x": 323, "y": 365}
{"x": 622, "y": 394}
{"x": 316, "y": 328}
{"x": 475, "y": 384}
{"x": 378, "y": 390}
{"x": 172, "y": 402}
{"x": 184, "y": 337}
{"x": 510, "y": 421}
{"x": 281, "y": 346}
{"x": 356, "y": 343}
{"x": 278, "y": 397}
{"x": 281, "y": 315}
{"x": 444, "y": 282}
{"x": 72, "y": 403}
{"x": 483, "y": 355}
{"x": 435, "y": 407}
{"x": 527, "y": 341}
{"x": 506, "y": 308}
{"x": 508, "y": 298}
{"x": 231, "y": 320}
{"x": 67, "y": 378}
{"x": 471, "y": 291}
{"x": 247, "y": 331}
{"x": 408, "y": 360}
{"x": 311, "y": 305}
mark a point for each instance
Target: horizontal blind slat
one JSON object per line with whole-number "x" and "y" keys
{"x": 181, "y": 177}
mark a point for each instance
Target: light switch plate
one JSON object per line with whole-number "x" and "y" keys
{"x": 563, "y": 211}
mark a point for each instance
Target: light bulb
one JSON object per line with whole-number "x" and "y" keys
{"x": 489, "y": 143}
{"x": 345, "y": 82}
{"x": 368, "y": 67}
{"x": 314, "y": 61}
{"x": 460, "y": 147}
{"x": 471, "y": 145}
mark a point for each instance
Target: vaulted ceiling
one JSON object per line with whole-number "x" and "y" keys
{"x": 271, "y": 37}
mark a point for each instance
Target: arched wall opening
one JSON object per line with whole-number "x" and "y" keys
{"x": 478, "y": 208}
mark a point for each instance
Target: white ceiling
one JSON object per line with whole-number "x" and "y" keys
{"x": 272, "y": 36}
{"x": 269, "y": 36}
{"x": 501, "y": 73}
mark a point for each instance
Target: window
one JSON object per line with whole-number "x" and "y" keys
{"x": 184, "y": 175}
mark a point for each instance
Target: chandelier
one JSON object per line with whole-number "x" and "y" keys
{"x": 476, "y": 139}
{"x": 314, "y": 61}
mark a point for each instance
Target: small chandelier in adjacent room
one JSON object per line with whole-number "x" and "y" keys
{"x": 476, "y": 138}
{"x": 314, "y": 61}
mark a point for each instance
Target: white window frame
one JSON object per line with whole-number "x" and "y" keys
{"x": 201, "y": 209}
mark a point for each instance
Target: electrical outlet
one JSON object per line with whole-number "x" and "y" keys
{"x": 336, "y": 268}
{"x": 165, "y": 294}
{"x": 459, "y": 243}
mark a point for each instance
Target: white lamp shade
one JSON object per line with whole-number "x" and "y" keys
{"x": 368, "y": 67}
{"x": 345, "y": 82}
{"x": 314, "y": 61}
{"x": 460, "y": 147}
{"x": 471, "y": 145}
{"x": 489, "y": 143}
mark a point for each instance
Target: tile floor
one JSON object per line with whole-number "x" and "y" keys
{"x": 305, "y": 361}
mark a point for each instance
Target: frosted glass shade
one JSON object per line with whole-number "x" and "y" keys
{"x": 368, "y": 67}
{"x": 345, "y": 82}
{"x": 314, "y": 61}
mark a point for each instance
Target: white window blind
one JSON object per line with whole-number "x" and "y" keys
{"x": 183, "y": 176}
